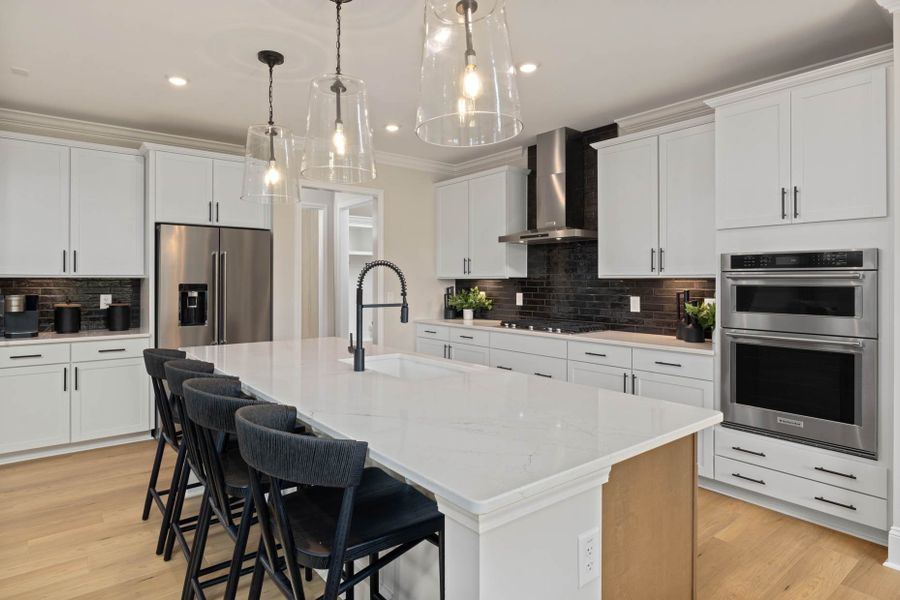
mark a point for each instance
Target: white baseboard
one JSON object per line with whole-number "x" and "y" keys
{"x": 804, "y": 514}
{"x": 893, "y": 560}
{"x": 130, "y": 438}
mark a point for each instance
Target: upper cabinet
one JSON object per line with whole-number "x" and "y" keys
{"x": 70, "y": 211}
{"x": 200, "y": 188}
{"x": 809, "y": 148}
{"x": 472, "y": 212}
{"x": 655, "y": 203}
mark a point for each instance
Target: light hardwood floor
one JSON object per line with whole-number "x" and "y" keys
{"x": 70, "y": 528}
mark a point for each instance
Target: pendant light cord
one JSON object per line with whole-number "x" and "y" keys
{"x": 271, "y": 77}
{"x": 337, "y": 44}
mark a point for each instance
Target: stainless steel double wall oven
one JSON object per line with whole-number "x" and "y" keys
{"x": 800, "y": 346}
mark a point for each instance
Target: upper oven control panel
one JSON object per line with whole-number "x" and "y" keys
{"x": 827, "y": 259}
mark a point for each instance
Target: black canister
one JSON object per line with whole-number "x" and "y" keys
{"x": 118, "y": 317}
{"x": 67, "y": 318}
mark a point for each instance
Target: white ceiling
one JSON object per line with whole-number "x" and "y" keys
{"x": 106, "y": 60}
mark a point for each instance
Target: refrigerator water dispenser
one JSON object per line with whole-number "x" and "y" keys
{"x": 192, "y": 304}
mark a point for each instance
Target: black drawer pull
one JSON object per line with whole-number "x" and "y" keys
{"x": 430, "y": 331}
{"x": 544, "y": 375}
{"x": 830, "y": 472}
{"x": 739, "y": 476}
{"x": 667, "y": 364}
{"x": 111, "y": 350}
{"x": 26, "y": 356}
{"x": 841, "y": 504}
{"x": 467, "y": 337}
{"x": 595, "y": 354}
{"x": 753, "y": 452}
{"x": 504, "y": 368}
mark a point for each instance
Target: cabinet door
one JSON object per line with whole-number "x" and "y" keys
{"x": 627, "y": 209}
{"x": 478, "y": 355}
{"x": 184, "y": 187}
{"x": 109, "y": 397}
{"x": 229, "y": 210}
{"x": 753, "y": 162}
{"x": 839, "y": 148}
{"x": 530, "y": 364}
{"x": 34, "y": 208}
{"x": 431, "y": 347}
{"x": 682, "y": 390}
{"x": 107, "y": 214}
{"x": 687, "y": 199}
{"x": 452, "y": 211}
{"x": 35, "y": 404}
{"x": 487, "y": 222}
{"x": 615, "y": 379}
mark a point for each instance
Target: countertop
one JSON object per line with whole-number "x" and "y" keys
{"x": 94, "y": 335}
{"x": 620, "y": 338}
{"x": 478, "y": 437}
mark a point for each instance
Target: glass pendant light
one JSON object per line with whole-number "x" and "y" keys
{"x": 269, "y": 155}
{"x": 338, "y": 145}
{"x": 468, "y": 94}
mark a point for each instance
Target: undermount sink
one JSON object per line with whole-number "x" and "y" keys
{"x": 412, "y": 367}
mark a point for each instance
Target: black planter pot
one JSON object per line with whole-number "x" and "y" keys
{"x": 694, "y": 333}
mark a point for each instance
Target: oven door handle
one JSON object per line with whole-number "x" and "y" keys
{"x": 787, "y": 338}
{"x": 854, "y": 275}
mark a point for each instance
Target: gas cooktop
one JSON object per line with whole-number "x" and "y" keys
{"x": 551, "y": 325}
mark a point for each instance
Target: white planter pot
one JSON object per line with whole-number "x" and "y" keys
{"x": 468, "y": 314}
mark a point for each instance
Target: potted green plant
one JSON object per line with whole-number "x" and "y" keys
{"x": 468, "y": 301}
{"x": 702, "y": 317}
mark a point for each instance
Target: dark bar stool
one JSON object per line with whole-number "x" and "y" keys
{"x": 177, "y": 372}
{"x": 210, "y": 437}
{"x": 349, "y": 512}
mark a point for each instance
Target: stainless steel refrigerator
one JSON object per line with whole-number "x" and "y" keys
{"x": 213, "y": 285}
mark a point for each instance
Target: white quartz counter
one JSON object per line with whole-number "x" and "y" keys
{"x": 481, "y": 438}
{"x": 94, "y": 335}
{"x": 623, "y": 338}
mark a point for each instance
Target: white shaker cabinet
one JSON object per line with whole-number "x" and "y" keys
{"x": 471, "y": 213}
{"x": 478, "y": 355}
{"x": 107, "y": 214}
{"x": 431, "y": 347}
{"x": 109, "y": 397}
{"x": 35, "y": 405}
{"x": 34, "y": 208}
{"x": 616, "y": 379}
{"x": 228, "y": 208}
{"x": 183, "y": 188}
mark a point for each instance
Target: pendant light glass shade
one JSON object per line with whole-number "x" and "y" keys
{"x": 467, "y": 91}
{"x": 338, "y": 146}
{"x": 269, "y": 169}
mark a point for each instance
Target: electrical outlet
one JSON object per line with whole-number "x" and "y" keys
{"x": 520, "y": 299}
{"x": 708, "y": 300}
{"x": 635, "y": 303}
{"x": 105, "y": 300}
{"x": 588, "y": 557}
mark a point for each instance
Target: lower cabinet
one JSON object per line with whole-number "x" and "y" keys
{"x": 469, "y": 353}
{"x": 109, "y": 398}
{"x": 530, "y": 364}
{"x": 431, "y": 347}
{"x": 615, "y": 379}
{"x": 35, "y": 405}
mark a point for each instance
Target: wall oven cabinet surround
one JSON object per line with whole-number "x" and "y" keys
{"x": 799, "y": 354}
{"x": 655, "y": 203}
{"x": 471, "y": 213}
{"x": 809, "y": 148}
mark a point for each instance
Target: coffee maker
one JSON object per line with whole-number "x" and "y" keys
{"x": 20, "y": 315}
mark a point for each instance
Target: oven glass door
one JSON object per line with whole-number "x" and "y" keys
{"x": 833, "y": 303}
{"x": 821, "y": 389}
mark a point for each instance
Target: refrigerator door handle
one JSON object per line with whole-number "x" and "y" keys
{"x": 215, "y": 291}
{"x": 224, "y": 296}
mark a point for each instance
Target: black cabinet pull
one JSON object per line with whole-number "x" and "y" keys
{"x": 633, "y": 381}
{"x": 595, "y": 354}
{"x": 26, "y": 356}
{"x": 430, "y": 331}
{"x": 76, "y": 379}
{"x": 839, "y": 474}
{"x": 652, "y": 260}
{"x": 217, "y": 212}
{"x": 739, "y": 476}
{"x": 467, "y": 337}
{"x": 111, "y": 350}
{"x": 504, "y": 368}
{"x": 65, "y": 379}
{"x": 210, "y": 212}
{"x": 464, "y": 267}
{"x": 624, "y": 383}
{"x": 445, "y": 350}
{"x": 662, "y": 252}
{"x": 74, "y": 261}
{"x": 753, "y": 452}
{"x": 64, "y": 261}
{"x": 841, "y": 504}
{"x": 667, "y": 364}
{"x": 797, "y": 210}
{"x": 544, "y": 375}
{"x": 783, "y": 200}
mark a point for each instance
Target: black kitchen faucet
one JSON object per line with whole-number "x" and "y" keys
{"x": 359, "y": 353}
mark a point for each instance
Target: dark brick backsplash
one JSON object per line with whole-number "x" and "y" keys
{"x": 82, "y": 291}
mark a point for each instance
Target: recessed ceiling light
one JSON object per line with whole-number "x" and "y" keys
{"x": 528, "y": 67}
{"x": 392, "y": 128}
{"x": 177, "y": 80}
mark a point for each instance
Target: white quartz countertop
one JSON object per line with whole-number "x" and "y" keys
{"x": 94, "y": 335}
{"x": 480, "y": 438}
{"x": 621, "y": 338}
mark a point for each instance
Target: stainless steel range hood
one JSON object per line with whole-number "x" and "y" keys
{"x": 560, "y": 191}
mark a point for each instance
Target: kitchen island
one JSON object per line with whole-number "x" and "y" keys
{"x": 531, "y": 473}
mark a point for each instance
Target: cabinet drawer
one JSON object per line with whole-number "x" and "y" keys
{"x": 530, "y": 344}
{"x": 530, "y": 364}
{"x": 600, "y": 354}
{"x": 829, "y": 499}
{"x": 858, "y": 475}
{"x": 674, "y": 363}
{"x": 38, "y": 354}
{"x": 474, "y": 337}
{"x": 108, "y": 350}
{"x": 435, "y": 332}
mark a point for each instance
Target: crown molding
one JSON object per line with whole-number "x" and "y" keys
{"x": 891, "y": 6}
{"x": 510, "y": 157}
{"x": 412, "y": 162}
{"x": 677, "y": 112}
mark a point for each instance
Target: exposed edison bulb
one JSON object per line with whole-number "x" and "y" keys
{"x": 273, "y": 175}
{"x": 472, "y": 86}
{"x": 339, "y": 139}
